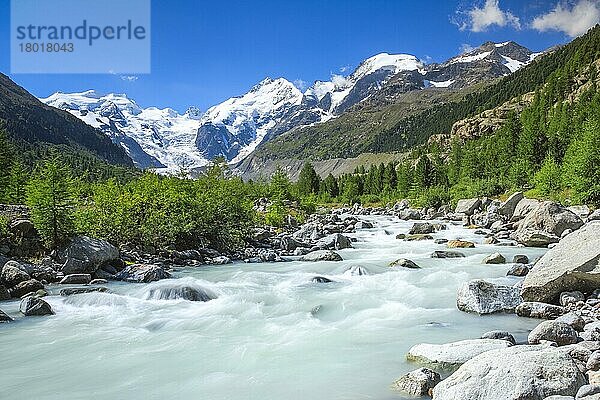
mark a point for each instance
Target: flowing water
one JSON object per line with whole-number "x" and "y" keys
{"x": 270, "y": 334}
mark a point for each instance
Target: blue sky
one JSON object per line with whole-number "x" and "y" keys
{"x": 205, "y": 52}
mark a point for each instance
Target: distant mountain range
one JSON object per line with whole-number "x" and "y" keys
{"x": 167, "y": 140}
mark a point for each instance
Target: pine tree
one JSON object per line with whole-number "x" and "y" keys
{"x": 50, "y": 199}
{"x": 308, "y": 181}
{"x": 6, "y": 157}
{"x": 17, "y": 184}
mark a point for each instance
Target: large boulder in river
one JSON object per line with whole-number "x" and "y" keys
{"x": 84, "y": 255}
{"x": 467, "y": 206}
{"x": 336, "y": 241}
{"x": 34, "y": 306}
{"x": 421, "y": 228}
{"x": 142, "y": 273}
{"x": 548, "y": 218}
{"x": 25, "y": 287}
{"x": 453, "y": 355}
{"x": 481, "y": 297}
{"x": 516, "y": 373}
{"x": 175, "y": 291}
{"x": 523, "y": 208}
{"x": 321, "y": 255}
{"x": 573, "y": 264}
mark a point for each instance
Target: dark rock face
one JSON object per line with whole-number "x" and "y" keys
{"x": 142, "y": 273}
{"x": 33, "y": 306}
{"x": 421, "y": 228}
{"x": 4, "y": 294}
{"x": 28, "y": 286}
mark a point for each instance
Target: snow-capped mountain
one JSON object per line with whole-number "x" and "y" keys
{"x": 235, "y": 127}
{"x": 488, "y": 61}
{"x": 165, "y": 139}
{"x": 152, "y": 137}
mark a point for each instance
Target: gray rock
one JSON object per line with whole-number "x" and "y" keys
{"x": 593, "y": 362}
{"x": 363, "y": 225}
{"x": 508, "y": 207}
{"x": 72, "y": 291}
{"x": 4, "y": 317}
{"x": 98, "y": 282}
{"x": 34, "y": 306}
{"x": 336, "y": 241}
{"x": 447, "y": 254}
{"x": 410, "y": 214}
{"x": 174, "y": 291}
{"x": 567, "y": 298}
{"x": 481, "y": 297}
{"x": 12, "y": 275}
{"x": 404, "y": 263}
{"x": 23, "y": 228}
{"x": 549, "y": 219}
{"x": 571, "y": 265}
{"x": 321, "y": 255}
{"x": 573, "y": 320}
{"x": 29, "y": 286}
{"x": 521, "y": 259}
{"x": 518, "y": 270}
{"x": 321, "y": 279}
{"x": 452, "y": 355}
{"x": 84, "y": 255}
{"x": 418, "y": 382}
{"x": 582, "y": 211}
{"x": 502, "y": 335}
{"x": 421, "y": 228}
{"x": 557, "y": 332}
{"x": 76, "y": 279}
{"x": 523, "y": 208}
{"x": 467, "y": 206}
{"x": 516, "y": 373}
{"x": 495, "y": 258}
{"x": 533, "y": 309}
{"x": 594, "y": 216}
{"x": 588, "y": 392}
{"x": 142, "y": 273}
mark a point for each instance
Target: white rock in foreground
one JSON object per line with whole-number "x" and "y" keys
{"x": 517, "y": 373}
{"x": 453, "y": 355}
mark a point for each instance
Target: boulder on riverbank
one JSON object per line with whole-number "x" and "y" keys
{"x": 404, "y": 263}
{"x": 418, "y": 382}
{"x": 481, "y": 297}
{"x": 84, "y": 255}
{"x": 572, "y": 265}
{"x": 553, "y": 331}
{"x": 495, "y": 258}
{"x": 452, "y": 355}
{"x": 545, "y": 224}
{"x": 534, "y": 309}
{"x": 519, "y": 372}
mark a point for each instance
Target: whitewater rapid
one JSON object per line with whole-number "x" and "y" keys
{"x": 270, "y": 333}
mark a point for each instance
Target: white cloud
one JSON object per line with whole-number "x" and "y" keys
{"x": 479, "y": 19}
{"x": 340, "y": 81}
{"x": 572, "y": 19}
{"x": 129, "y": 78}
{"x": 345, "y": 68}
